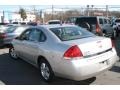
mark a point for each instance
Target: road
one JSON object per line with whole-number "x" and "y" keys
{"x": 19, "y": 72}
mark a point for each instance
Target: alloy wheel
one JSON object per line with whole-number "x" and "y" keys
{"x": 13, "y": 53}
{"x": 45, "y": 72}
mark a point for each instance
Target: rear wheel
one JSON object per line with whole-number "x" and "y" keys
{"x": 12, "y": 53}
{"x": 104, "y": 34}
{"x": 114, "y": 34}
{"x": 45, "y": 70}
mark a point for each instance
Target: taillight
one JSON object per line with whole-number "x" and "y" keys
{"x": 113, "y": 43}
{"x": 98, "y": 28}
{"x": 73, "y": 52}
{"x": 2, "y": 35}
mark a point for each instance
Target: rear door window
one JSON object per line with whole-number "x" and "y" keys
{"x": 105, "y": 21}
{"x": 34, "y": 35}
{"x": 100, "y": 20}
{"x": 37, "y": 35}
{"x": 90, "y": 20}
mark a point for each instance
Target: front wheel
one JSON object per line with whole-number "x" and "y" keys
{"x": 12, "y": 53}
{"x": 45, "y": 70}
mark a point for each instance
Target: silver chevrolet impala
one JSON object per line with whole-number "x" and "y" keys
{"x": 66, "y": 51}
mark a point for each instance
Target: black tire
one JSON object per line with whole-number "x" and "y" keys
{"x": 117, "y": 33}
{"x": 12, "y": 53}
{"x": 114, "y": 35}
{"x": 47, "y": 69}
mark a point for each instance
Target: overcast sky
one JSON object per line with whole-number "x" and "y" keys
{"x": 44, "y": 7}
{"x": 60, "y": 2}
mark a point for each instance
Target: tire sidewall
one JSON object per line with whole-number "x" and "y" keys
{"x": 10, "y": 53}
{"x": 50, "y": 70}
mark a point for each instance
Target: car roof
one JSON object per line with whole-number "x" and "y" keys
{"x": 56, "y": 26}
{"x": 89, "y": 17}
{"x": 54, "y": 21}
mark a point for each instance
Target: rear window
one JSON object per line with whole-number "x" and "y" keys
{"x": 118, "y": 20}
{"x": 55, "y": 22}
{"x": 90, "y": 20}
{"x": 71, "y": 33}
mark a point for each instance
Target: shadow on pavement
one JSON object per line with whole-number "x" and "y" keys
{"x": 4, "y": 47}
{"x": 19, "y": 72}
{"x": 61, "y": 81}
{"x": 115, "y": 69}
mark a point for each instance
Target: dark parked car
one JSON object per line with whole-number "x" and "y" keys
{"x": 116, "y": 26}
{"x": 99, "y": 25}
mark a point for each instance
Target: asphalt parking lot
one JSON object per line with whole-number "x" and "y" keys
{"x": 19, "y": 72}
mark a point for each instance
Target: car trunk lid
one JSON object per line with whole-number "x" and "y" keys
{"x": 92, "y": 45}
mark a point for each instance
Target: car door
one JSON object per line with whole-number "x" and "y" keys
{"x": 19, "y": 43}
{"x": 33, "y": 44}
{"x": 107, "y": 26}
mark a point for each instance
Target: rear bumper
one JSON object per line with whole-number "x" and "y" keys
{"x": 5, "y": 42}
{"x": 84, "y": 69}
{"x": 1, "y": 43}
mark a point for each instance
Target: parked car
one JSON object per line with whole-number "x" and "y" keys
{"x": 10, "y": 33}
{"x": 32, "y": 23}
{"x": 54, "y": 22}
{"x": 3, "y": 28}
{"x": 64, "y": 50}
{"x": 116, "y": 26}
{"x": 98, "y": 25}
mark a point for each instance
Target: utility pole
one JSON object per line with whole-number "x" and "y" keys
{"x": 52, "y": 11}
{"x": 106, "y": 10}
{"x": 92, "y": 10}
{"x": 3, "y": 17}
{"x": 88, "y": 13}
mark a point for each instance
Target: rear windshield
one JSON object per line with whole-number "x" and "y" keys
{"x": 118, "y": 20}
{"x": 55, "y": 22}
{"x": 71, "y": 33}
{"x": 90, "y": 20}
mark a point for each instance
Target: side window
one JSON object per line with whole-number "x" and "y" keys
{"x": 37, "y": 35}
{"x": 101, "y": 21}
{"x": 109, "y": 22}
{"x": 105, "y": 21}
{"x": 42, "y": 37}
{"x": 34, "y": 35}
{"x": 25, "y": 35}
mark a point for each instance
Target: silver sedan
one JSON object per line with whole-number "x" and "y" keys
{"x": 64, "y": 50}
{"x": 10, "y": 33}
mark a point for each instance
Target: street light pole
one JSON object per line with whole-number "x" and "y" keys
{"x": 3, "y": 18}
{"x": 106, "y": 10}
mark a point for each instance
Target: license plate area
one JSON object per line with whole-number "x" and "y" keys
{"x": 106, "y": 62}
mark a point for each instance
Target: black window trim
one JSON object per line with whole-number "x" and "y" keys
{"x": 40, "y": 33}
{"x": 28, "y": 29}
{"x": 31, "y": 29}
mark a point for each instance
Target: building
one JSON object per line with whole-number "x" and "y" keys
{"x": 10, "y": 17}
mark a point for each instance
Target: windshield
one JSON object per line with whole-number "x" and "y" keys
{"x": 71, "y": 33}
{"x": 11, "y": 29}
